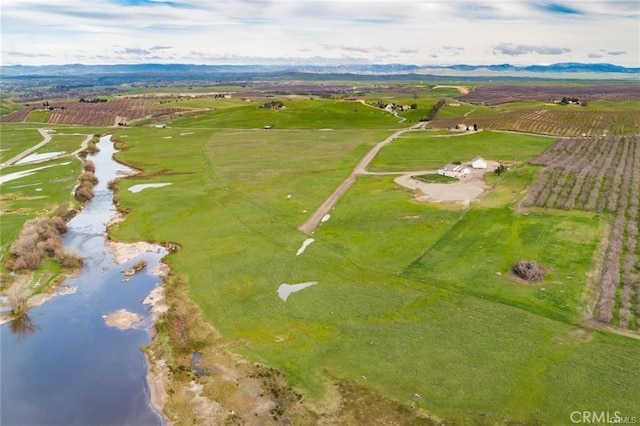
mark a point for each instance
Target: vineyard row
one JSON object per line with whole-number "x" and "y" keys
{"x": 600, "y": 175}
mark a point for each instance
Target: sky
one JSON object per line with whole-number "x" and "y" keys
{"x": 420, "y": 32}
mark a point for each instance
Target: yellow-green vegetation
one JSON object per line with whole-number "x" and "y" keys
{"x": 299, "y": 113}
{"x": 65, "y": 143}
{"x": 38, "y": 116}
{"x": 414, "y": 302}
{"x": 204, "y": 103}
{"x": 7, "y": 106}
{"x": 15, "y": 139}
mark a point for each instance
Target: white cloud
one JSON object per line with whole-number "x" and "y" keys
{"x": 412, "y": 31}
{"x": 519, "y": 50}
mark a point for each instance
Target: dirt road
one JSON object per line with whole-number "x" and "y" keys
{"x": 361, "y": 168}
{"x": 46, "y": 138}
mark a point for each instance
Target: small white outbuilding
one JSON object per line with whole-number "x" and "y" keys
{"x": 479, "y": 163}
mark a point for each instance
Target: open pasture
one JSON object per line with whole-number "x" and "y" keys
{"x": 61, "y": 142}
{"x": 7, "y": 106}
{"x": 296, "y": 114}
{"x": 16, "y": 139}
{"x": 411, "y": 299}
{"x": 421, "y": 150}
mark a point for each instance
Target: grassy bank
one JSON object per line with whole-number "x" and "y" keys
{"x": 45, "y": 189}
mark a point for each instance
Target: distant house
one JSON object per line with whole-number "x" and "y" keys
{"x": 479, "y": 163}
{"x": 455, "y": 171}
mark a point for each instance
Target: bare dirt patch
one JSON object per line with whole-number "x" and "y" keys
{"x": 469, "y": 188}
{"x": 461, "y": 89}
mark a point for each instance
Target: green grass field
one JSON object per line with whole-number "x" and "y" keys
{"x": 423, "y": 151}
{"x": 16, "y": 138}
{"x": 297, "y": 114}
{"x": 66, "y": 143}
{"x": 414, "y": 301}
{"x": 39, "y": 194}
{"x": 7, "y": 107}
{"x": 411, "y": 299}
{"x": 44, "y": 190}
{"x": 38, "y": 116}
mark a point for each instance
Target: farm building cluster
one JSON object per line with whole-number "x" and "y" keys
{"x": 460, "y": 170}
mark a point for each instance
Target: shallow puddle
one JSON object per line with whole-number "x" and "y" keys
{"x": 285, "y": 290}
{"x": 143, "y": 186}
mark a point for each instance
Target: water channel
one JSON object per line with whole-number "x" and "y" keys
{"x": 62, "y": 365}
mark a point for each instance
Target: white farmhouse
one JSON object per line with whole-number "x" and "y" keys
{"x": 455, "y": 172}
{"x": 479, "y": 163}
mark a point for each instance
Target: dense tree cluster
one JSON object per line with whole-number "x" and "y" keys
{"x": 275, "y": 104}
{"x": 93, "y": 101}
{"x": 567, "y": 100}
{"x": 434, "y": 110}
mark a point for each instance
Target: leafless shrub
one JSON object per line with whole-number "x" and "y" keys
{"x": 65, "y": 212}
{"x": 17, "y": 296}
{"x": 528, "y": 270}
{"x": 29, "y": 260}
{"x": 88, "y": 177}
{"x": 92, "y": 147}
{"x": 68, "y": 258}
{"x": 89, "y": 166}
{"x": 39, "y": 237}
{"x": 84, "y": 192}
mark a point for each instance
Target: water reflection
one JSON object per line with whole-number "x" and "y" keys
{"x": 22, "y": 326}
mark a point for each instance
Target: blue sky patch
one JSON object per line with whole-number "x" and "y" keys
{"x": 559, "y": 9}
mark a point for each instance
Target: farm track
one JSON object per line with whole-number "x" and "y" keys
{"x": 46, "y": 138}
{"x": 310, "y": 225}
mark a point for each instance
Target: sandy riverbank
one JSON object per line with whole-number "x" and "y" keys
{"x": 124, "y": 252}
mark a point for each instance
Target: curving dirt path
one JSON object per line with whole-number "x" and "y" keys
{"x": 46, "y": 138}
{"x": 361, "y": 168}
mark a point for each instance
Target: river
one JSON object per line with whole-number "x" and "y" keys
{"x": 62, "y": 365}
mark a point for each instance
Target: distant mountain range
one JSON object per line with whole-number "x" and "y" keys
{"x": 560, "y": 70}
